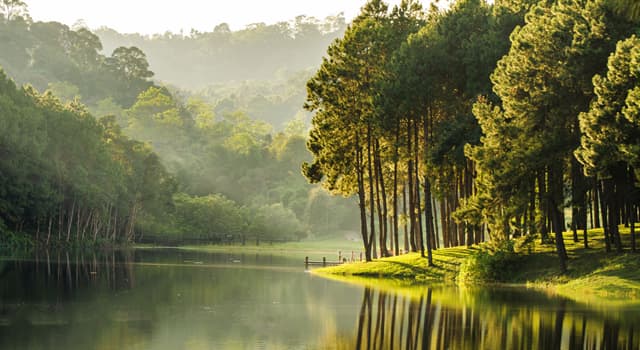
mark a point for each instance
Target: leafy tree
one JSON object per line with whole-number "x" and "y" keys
{"x": 341, "y": 94}
{"x": 628, "y": 8}
{"x": 11, "y": 9}
{"x": 131, "y": 62}
{"x": 65, "y": 91}
{"x": 611, "y": 129}
{"x": 543, "y": 83}
{"x": 83, "y": 47}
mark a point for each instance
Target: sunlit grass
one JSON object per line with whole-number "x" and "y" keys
{"x": 409, "y": 266}
{"x": 593, "y": 276}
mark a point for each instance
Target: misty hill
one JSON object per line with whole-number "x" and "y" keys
{"x": 258, "y": 52}
{"x": 51, "y": 55}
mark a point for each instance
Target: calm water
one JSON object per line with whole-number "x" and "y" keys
{"x": 170, "y": 299}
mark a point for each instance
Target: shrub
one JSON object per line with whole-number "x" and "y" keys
{"x": 496, "y": 263}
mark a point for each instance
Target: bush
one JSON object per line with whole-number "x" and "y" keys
{"x": 212, "y": 214}
{"x": 274, "y": 221}
{"x": 220, "y": 219}
{"x": 14, "y": 242}
{"x": 497, "y": 263}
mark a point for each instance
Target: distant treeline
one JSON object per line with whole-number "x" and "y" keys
{"x": 260, "y": 70}
{"x": 259, "y": 52}
{"x": 482, "y": 121}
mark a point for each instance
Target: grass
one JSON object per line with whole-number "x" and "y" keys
{"x": 407, "y": 267}
{"x": 593, "y": 275}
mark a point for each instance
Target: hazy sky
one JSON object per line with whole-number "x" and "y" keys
{"x": 158, "y": 16}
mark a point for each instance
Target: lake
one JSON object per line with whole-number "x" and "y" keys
{"x": 181, "y": 299}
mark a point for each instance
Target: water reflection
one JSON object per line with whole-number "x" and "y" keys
{"x": 173, "y": 299}
{"x": 169, "y": 299}
{"x": 440, "y": 319}
{"x": 64, "y": 272}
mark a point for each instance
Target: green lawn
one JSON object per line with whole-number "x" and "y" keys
{"x": 593, "y": 276}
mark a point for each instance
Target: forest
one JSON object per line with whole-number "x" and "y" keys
{"x": 97, "y": 150}
{"x": 448, "y": 126}
{"x": 483, "y": 122}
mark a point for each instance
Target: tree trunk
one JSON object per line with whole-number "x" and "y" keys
{"x": 372, "y": 216}
{"x": 78, "y": 223}
{"x": 596, "y": 202}
{"x": 60, "y": 220}
{"x": 404, "y": 212}
{"x": 419, "y": 233}
{"x": 395, "y": 188}
{"x": 555, "y": 204}
{"x": 411, "y": 191}
{"x": 542, "y": 202}
{"x": 384, "y": 212}
{"x": 361, "y": 199}
{"x": 613, "y": 211}
{"x": 49, "y": 230}
{"x": 70, "y": 223}
{"x": 604, "y": 208}
{"x": 429, "y": 220}
{"x": 443, "y": 220}
{"x": 38, "y": 231}
{"x": 633, "y": 228}
{"x": 434, "y": 222}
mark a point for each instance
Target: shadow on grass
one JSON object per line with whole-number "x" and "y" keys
{"x": 459, "y": 255}
{"x": 413, "y": 268}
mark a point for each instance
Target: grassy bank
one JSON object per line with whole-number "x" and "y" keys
{"x": 594, "y": 276}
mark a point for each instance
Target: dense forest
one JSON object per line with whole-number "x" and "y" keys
{"x": 481, "y": 122}
{"x": 95, "y": 151}
{"x": 261, "y": 69}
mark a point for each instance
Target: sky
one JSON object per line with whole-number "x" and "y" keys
{"x": 159, "y": 16}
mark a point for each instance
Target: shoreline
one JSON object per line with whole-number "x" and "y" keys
{"x": 593, "y": 277}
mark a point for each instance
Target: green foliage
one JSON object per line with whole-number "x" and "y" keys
{"x": 12, "y": 9}
{"x": 276, "y": 221}
{"x": 612, "y": 125}
{"x": 131, "y": 62}
{"x": 275, "y": 101}
{"x": 628, "y": 8}
{"x": 52, "y": 55}
{"x": 59, "y": 164}
{"x": 233, "y": 156}
{"x": 487, "y": 266}
{"x": 15, "y": 242}
{"x": 11, "y": 242}
{"x": 213, "y": 214}
{"x": 543, "y": 83}
{"x": 65, "y": 91}
{"x": 215, "y": 218}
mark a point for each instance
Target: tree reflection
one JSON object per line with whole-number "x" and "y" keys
{"x": 390, "y": 321}
{"x": 65, "y": 272}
